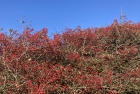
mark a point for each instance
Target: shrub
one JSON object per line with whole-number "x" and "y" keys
{"x": 94, "y": 60}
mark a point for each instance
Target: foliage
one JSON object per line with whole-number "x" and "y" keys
{"x": 102, "y": 60}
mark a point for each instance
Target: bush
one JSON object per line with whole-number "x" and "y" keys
{"x": 94, "y": 60}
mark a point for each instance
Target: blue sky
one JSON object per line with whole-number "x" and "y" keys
{"x": 56, "y": 15}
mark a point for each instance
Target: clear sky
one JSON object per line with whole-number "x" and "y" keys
{"x": 56, "y": 15}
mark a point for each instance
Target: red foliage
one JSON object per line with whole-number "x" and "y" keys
{"x": 95, "y": 60}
